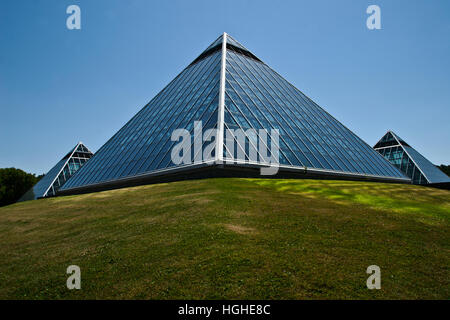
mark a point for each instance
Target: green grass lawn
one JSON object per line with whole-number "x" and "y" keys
{"x": 230, "y": 239}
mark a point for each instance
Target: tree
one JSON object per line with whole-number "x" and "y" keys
{"x": 445, "y": 169}
{"x": 14, "y": 183}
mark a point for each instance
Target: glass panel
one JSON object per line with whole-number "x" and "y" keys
{"x": 143, "y": 143}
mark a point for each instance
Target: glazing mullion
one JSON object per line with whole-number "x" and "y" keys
{"x": 129, "y": 164}
{"x": 278, "y": 108}
{"x": 245, "y": 117}
{"x": 313, "y": 160}
{"x": 160, "y": 107}
{"x": 97, "y": 161}
{"x": 240, "y": 82}
{"x": 134, "y": 162}
{"x": 112, "y": 143}
{"x": 364, "y": 161}
{"x": 256, "y": 118}
{"x": 163, "y": 106}
{"x": 341, "y": 165}
{"x": 210, "y": 75}
{"x": 233, "y": 104}
{"x": 263, "y": 105}
{"x": 208, "y": 103}
{"x": 323, "y": 147}
{"x": 235, "y": 74}
{"x": 166, "y": 148}
{"x": 348, "y": 137}
{"x": 331, "y": 150}
{"x": 152, "y": 140}
{"x": 210, "y": 120}
{"x": 210, "y": 94}
{"x": 380, "y": 161}
{"x": 215, "y": 43}
{"x": 279, "y": 115}
{"x": 240, "y": 113}
{"x": 335, "y": 148}
{"x": 344, "y": 138}
{"x": 234, "y": 157}
{"x": 243, "y": 149}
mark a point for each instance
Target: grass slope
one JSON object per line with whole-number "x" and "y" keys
{"x": 230, "y": 238}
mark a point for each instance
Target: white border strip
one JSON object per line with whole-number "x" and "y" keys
{"x": 221, "y": 111}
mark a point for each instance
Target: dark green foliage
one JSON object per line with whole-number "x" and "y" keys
{"x": 445, "y": 169}
{"x": 14, "y": 183}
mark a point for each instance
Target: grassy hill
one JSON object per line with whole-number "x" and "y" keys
{"x": 230, "y": 238}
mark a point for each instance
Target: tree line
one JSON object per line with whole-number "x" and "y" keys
{"x": 445, "y": 168}
{"x": 14, "y": 183}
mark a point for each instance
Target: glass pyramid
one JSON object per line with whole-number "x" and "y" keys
{"x": 228, "y": 87}
{"x": 409, "y": 161}
{"x": 59, "y": 174}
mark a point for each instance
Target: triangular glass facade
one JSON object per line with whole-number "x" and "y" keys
{"x": 144, "y": 143}
{"x": 254, "y": 96}
{"x": 409, "y": 161}
{"x": 257, "y": 97}
{"x": 59, "y": 174}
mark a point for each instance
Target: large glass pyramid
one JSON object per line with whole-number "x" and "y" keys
{"x": 228, "y": 87}
{"x": 409, "y": 161}
{"x": 59, "y": 174}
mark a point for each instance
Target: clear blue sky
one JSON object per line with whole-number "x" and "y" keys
{"x": 60, "y": 86}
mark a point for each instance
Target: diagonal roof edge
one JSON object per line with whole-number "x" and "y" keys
{"x": 412, "y": 159}
{"x": 62, "y": 168}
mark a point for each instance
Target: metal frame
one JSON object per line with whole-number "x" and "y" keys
{"x": 404, "y": 151}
